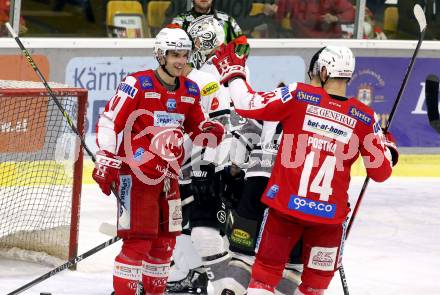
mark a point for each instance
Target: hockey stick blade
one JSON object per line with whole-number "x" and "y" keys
{"x": 124, "y": 219}
{"x": 108, "y": 229}
{"x": 64, "y": 266}
{"x": 420, "y": 17}
{"x": 432, "y": 106}
{"x": 421, "y": 20}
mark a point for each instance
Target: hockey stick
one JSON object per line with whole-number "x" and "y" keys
{"x": 431, "y": 95}
{"x": 124, "y": 218}
{"x": 64, "y": 266}
{"x": 421, "y": 20}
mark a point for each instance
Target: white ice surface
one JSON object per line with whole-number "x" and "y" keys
{"x": 393, "y": 249}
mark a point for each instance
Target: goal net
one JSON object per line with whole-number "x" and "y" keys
{"x": 40, "y": 168}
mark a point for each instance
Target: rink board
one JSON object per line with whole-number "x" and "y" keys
{"x": 408, "y": 166}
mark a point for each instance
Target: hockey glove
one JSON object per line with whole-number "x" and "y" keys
{"x": 390, "y": 143}
{"x": 230, "y": 60}
{"x": 106, "y": 172}
{"x": 202, "y": 184}
{"x": 215, "y": 129}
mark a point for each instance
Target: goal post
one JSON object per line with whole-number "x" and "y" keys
{"x": 40, "y": 168}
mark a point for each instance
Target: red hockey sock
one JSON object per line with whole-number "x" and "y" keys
{"x": 255, "y": 284}
{"x": 126, "y": 275}
{"x": 305, "y": 290}
{"x": 156, "y": 265}
{"x": 128, "y": 266}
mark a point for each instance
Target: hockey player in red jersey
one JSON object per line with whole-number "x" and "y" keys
{"x": 151, "y": 109}
{"x": 324, "y": 133}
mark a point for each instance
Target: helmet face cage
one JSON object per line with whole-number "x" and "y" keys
{"x": 207, "y": 34}
{"x": 171, "y": 39}
{"x": 338, "y": 60}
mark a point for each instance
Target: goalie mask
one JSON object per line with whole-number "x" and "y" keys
{"x": 207, "y": 35}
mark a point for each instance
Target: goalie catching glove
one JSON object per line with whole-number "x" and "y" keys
{"x": 230, "y": 60}
{"x": 106, "y": 172}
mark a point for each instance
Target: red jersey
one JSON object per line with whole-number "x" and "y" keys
{"x": 152, "y": 120}
{"x": 323, "y": 136}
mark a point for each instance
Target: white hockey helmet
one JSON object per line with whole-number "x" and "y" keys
{"x": 207, "y": 34}
{"x": 338, "y": 60}
{"x": 171, "y": 39}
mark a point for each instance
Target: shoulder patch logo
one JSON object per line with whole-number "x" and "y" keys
{"x": 308, "y": 97}
{"x": 210, "y": 88}
{"x": 129, "y": 90}
{"x": 191, "y": 88}
{"x": 285, "y": 94}
{"x": 146, "y": 82}
{"x": 360, "y": 115}
{"x": 171, "y": 104}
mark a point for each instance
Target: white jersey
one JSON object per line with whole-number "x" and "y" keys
{"x": 216, "y": 106}
{"x": 262, "y": 156}
{"x": 235, "y": 146}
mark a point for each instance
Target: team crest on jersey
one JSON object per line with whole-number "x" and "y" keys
{"x": 171, "y": 104}
{"x": 146, "y": 82}
{"x": 210, "y": 88}
{"x": 308, "y": 97}
{"x": 191, "y": 88}
{"x": 360, "y": 115}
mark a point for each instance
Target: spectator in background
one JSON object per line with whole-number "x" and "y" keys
{"x": 371, "y": 28}
{"x": 4, "y": 18}
{"x": 407, "y": 26}
{"x": 176, "y": 8}
{"x": 206, "y": 7}
{"x": 262, "y": 21}
{"x": 317, "y": 18}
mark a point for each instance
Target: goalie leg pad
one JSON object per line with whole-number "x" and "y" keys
{"x": 207, "y": 241}
{"x": 156, "y": 265}
{"x": 242, "y": 234}
{"x": 185, "y": 257}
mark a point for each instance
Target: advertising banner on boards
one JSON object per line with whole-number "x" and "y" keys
{"x": 377, "y": 81}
